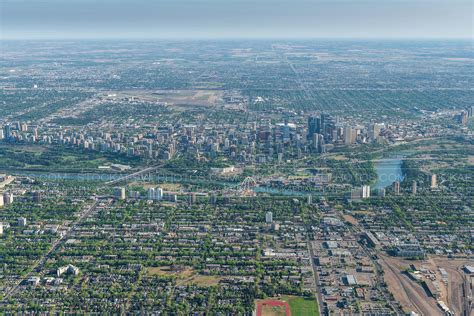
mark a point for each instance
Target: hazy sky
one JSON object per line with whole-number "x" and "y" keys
{"x": 236, "y": 18}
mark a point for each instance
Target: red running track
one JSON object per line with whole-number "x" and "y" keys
{"x": 272, "y": 303}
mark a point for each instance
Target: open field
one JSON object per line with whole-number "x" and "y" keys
{"x": 180, "y": 273}
{"x": 288, "y": 305}
{"x": 185, "y": 276}
{"x": 189, "y": 97}
{"x": 302, "y": 306}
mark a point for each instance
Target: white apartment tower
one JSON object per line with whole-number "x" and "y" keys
{"x": 269, "y": 217}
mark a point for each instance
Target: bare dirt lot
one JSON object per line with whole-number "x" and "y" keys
{"x": 185, "y": 275}
{"x": 458, "y": 288}
{"x": 411, "y": 295}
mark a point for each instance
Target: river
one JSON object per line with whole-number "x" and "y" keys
{"x": 388, "y": 171}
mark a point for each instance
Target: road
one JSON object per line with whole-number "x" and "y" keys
{"x": 357, "y": 229}
{"x": 319, "y": 296}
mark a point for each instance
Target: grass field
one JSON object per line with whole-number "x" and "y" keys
{"x": 185, "y": 276}
{"x": 168, "y": 271}
{"x": 299, "y": 306}
{"x": 302, "y": 306}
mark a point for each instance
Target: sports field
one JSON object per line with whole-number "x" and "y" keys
{"x": 302, "y": 306}
{"x": 287, "y": 306}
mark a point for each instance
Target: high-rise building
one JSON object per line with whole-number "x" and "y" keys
{"x": 151, "y": 194}
{"x": 317, "y": 143}
{"x": 134, "y": 194}
{"x": 1, "y": 200}
{"x": 150, "y": 150}
{"x": 328, "y": 128}
{"x": 285, "y": 132}
{"x": 323, "y": 123}
{"x": 463, "y": 117}
{"x": 321, "y": 144}
{"x": 381, "y": 192}
{"x": 434, "y": 181}
{"x": 37, "y": 197}
{"x": 396, "y": 187}
{"x": 349, "y": 135}
{"x": 23, "y": 127}
{"x": 268, "y": 217}
{"x": 22, "y": 222}
{"x": 365, "y": 191}
{"x": 191, "y": 198}
{"x": 310, "y": 199}
{"x": 413, "y": 187}
{"x": 120, "y": 193}
{"x": 8, "y": 198}
{"x": 314, "y": 126}
{"x": 213, "y": 198}
{"x": 1, "y": 228}
{"x": 374, "y": 131}
{"x": 8, "y": 131}
{"x": 158, "y": 194}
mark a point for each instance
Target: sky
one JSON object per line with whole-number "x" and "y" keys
{"x": 194, "y": 19}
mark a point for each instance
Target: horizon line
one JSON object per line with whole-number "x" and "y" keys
{"x": 219, "y": 38}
